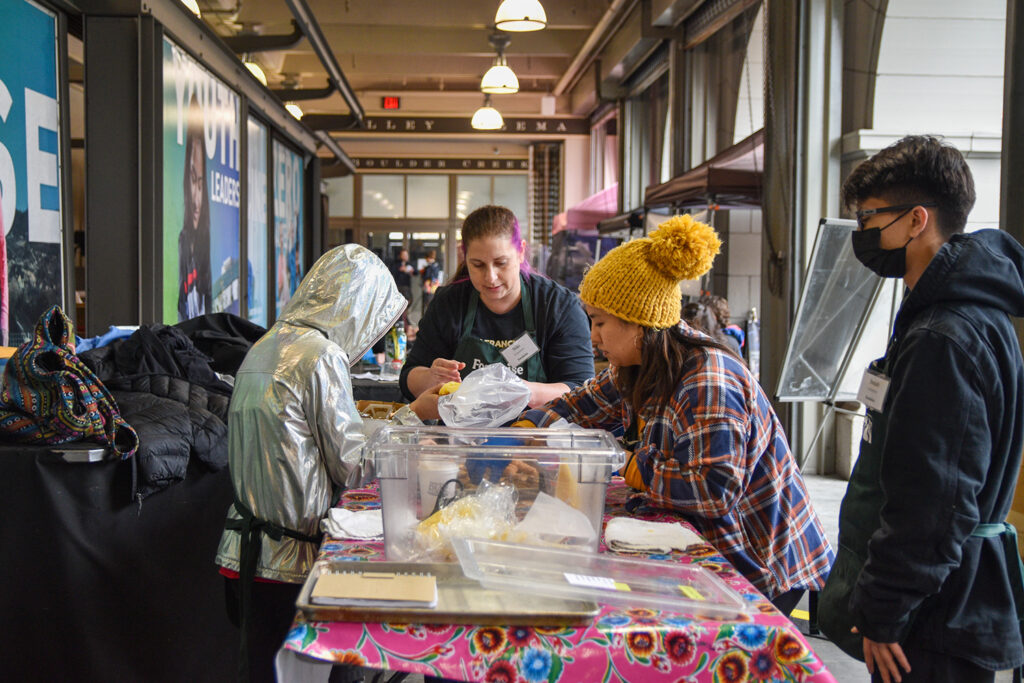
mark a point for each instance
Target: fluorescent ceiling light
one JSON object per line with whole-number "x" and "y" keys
{"x": 487, "y": 117}
{"x": 294, "y": 110}
{"x": 256, "y": 71}
{"x": 520, "y": 15}
{"x": 193, "y": 7}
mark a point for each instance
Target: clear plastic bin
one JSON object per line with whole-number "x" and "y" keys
{"x": 564, "y": 474}
{"x": 667, "y": 586}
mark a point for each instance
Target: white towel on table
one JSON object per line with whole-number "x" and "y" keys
{"x": 625, "y": 534}
{"x": 364, "y": 525}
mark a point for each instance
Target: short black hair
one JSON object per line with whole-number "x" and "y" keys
{"x": 917, "y": 168}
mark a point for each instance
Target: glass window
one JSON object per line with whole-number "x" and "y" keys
{"x": 511, "y": 191}
{"x": 383, "y": 196}
{"x": 471, "y": 192}
{"x": 427, "y": 196}
{"x": 339, "y": 196}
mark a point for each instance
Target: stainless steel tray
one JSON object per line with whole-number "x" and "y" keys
{"x": 459, "y": 601}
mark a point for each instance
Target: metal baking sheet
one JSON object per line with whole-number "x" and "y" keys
{"x": 459, "y": 601}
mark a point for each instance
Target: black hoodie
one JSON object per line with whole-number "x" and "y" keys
{"x": 949, "y": 461}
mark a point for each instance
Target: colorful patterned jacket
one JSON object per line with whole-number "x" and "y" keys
{"x": 718, "y": 455}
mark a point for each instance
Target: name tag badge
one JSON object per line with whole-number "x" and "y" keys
{"x": 873, "y": 387}
{"x": 520, "y": 350}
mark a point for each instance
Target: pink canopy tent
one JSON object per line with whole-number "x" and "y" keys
{"x": 585, "y": 216}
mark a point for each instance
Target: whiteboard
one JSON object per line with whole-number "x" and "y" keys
{"x": 842, "y": 322}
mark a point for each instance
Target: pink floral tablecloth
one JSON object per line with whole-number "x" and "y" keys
{"x": 620, "y": 645}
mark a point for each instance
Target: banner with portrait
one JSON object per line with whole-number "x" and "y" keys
{"x": 289, "y": 220}
{"x": 201, "y": 190}
{"x": 31, "y": 220}
{"x": 256, "y": 231}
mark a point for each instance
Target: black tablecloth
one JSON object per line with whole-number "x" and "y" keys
{"x": 373, "y": 390}
{"x": 95, "y": 588}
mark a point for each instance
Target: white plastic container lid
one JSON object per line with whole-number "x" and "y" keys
{"x": 661, "y": 585}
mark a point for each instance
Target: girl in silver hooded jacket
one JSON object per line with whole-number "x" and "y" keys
{"x": 295, "y": 437}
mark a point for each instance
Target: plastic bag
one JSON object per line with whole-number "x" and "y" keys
{"x": 489, "y": 512}
{"x": 488, "y": 397}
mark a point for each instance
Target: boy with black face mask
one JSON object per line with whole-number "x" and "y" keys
{"x": 927, "y": 575}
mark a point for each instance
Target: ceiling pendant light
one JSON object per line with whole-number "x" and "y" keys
{"x": 520, "y": 15}
{"x": 193, "y": 6}
{"x": 499, "y": 79}
{"x": 487, "y": 117}
{"x": 294, "y": 109}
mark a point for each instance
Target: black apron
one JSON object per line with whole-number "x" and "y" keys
{"x": 251, "y": 530}
{"x": 473, "y": 351}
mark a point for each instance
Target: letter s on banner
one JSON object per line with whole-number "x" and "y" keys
{"x": 8, "y": 180}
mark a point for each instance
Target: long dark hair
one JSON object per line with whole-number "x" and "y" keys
{"x": 663, "y": 354}
{"x": 492, "y": 221}
{"x": 194, "y": 139}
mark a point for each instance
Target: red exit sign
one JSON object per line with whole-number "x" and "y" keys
{"x": 390, "y": 102}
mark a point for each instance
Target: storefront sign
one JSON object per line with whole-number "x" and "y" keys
{"x": 201, "y": 189}
{"x": 521, "y": 125}
{"x": 442, "y": 164}
{"x": 288, "y": 222}
{"x": 31, "y": 222}
{"x": 256, "y": 226}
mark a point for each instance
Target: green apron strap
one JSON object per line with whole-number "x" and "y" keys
{"x": 467, "y": 325}
{"x": 527, "y": 302}
{"x": 1008, "y": 533}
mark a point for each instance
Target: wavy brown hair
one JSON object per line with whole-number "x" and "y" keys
{"x": 663, "y": 353}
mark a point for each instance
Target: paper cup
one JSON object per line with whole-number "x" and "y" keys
{"x": 432, "y": 475}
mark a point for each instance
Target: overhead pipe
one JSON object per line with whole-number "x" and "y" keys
{"x": 260, "y": 43}
{"x": 311, "y": 28}
{"x": 593, "y": 44}
{"x": 341, "y": 158}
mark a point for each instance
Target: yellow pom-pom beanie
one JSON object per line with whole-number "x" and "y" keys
{"x": 639, "y": 281}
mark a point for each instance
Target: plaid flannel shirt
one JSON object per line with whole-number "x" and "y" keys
{"x": 718, "y": 455}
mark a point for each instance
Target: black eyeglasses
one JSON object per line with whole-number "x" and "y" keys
{"x": 868, "y": 213}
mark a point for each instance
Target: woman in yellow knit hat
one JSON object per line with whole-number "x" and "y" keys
{"x": 705, "y": 440}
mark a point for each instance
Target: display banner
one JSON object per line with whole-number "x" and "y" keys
{"x": 288, "y": 222}
{"x": 256, "y": 231}
{"x": 201, "y": 190}
{"x": 31, "y": 221}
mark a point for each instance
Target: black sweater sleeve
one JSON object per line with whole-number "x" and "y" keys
{"x": 439, "y": 331}
{"x": 564, "y": 333}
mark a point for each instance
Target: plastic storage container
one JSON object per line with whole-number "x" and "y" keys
{"x": 559, "y": 479}
{"x": 667, "y": 586}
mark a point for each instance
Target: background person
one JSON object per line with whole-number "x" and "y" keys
{"x": 926, "y": 572}
{"x": 431, "y": 276}
{"x": 402, "y": 271}
{"x": 194, "y": 283}
{"x": 295, "y": 439}
{"x": 493, "y": 302}
{"x": 704, "y": 439}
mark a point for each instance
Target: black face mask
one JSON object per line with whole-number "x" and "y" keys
{"x": 867, "y": 247}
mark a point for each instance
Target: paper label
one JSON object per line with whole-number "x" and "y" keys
{"x": 603, "y": 582}
{"x": 520, "y": 351}
{"x": 873, "y": 387}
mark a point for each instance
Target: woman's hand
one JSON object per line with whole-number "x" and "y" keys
{"x": 443, "y": 370}
{"x": 425, "y": 405}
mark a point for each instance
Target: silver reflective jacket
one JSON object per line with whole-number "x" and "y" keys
{"x": 293, "y": 431}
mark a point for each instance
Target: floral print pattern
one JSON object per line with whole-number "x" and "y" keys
{"x": 620, "y": 645}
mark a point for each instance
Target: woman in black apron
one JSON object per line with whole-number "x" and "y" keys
{"x": 496, "y": 311}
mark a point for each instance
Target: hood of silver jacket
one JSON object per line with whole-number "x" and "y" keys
{"x": 350, "y": 296}
{"x": 294, "y": 436}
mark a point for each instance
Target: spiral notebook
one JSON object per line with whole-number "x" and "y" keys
{"x": 375, "y": 589}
